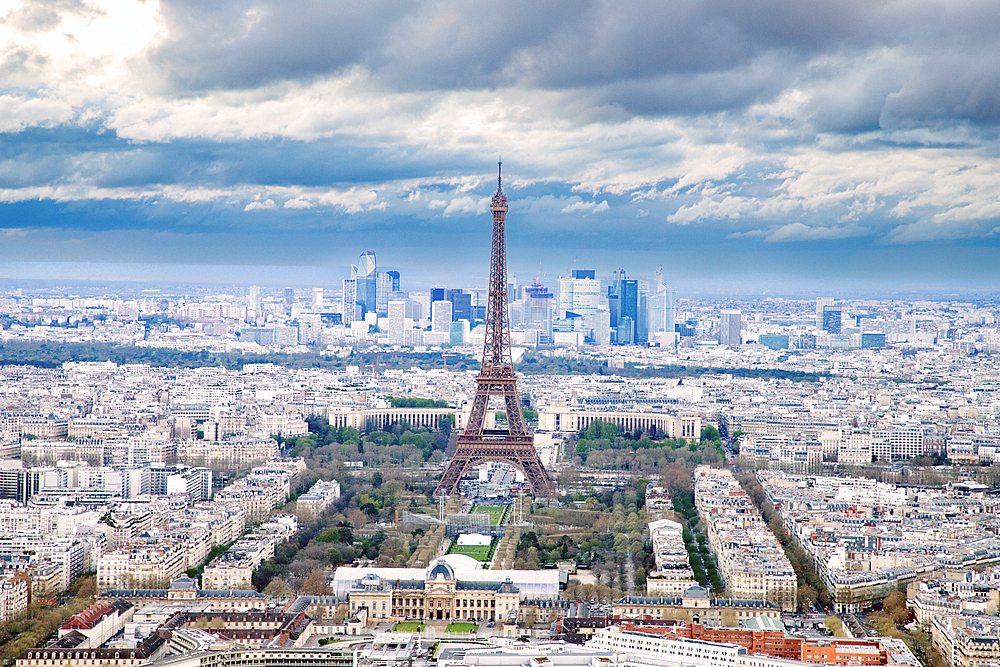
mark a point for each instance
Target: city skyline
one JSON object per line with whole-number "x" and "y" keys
{"x": 847, "y": 142}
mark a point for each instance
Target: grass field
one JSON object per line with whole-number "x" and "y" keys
{"x": 461, "y": 627}
{"x": 496, "y": 513}
{"x": 408, "y": 626}
{"x": 481, "y": 554}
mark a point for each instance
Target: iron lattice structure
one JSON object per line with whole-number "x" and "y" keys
{"x": 515, "y": 445}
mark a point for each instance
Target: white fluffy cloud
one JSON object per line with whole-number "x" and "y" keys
{"x": 265, "y": 205}
{"x": 586, "y": 207}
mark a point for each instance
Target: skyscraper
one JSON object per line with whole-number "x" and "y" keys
{"x": 580, "y": 296}
{"x": 832, "y": 319}
{"x": 628, "y": 306}
{"x": 661, "y": 306}
{"x": 730, "y": 326}
{"x": 366, "y": 264}
{"x": 441, "y": 316}
{"x": 625, "y": 333}
{"x": 397, "y": 319}
{"x": 253, "y": 303}
{"x": 461, "y": 305}
{"x": 349, "y": 308}
{"x": 394, "y": 277}
{"x": 383, "y": 288}
{"x": 821, "y": 303}
{"x": 365, "y": 285}
{"x": 317, "y": 299}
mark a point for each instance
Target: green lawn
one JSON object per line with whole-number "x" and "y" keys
{"x": 481, "y": 554}
{"x": 409, "y": 626}
{"x": 461, "y": 627}
{"x": 496, "y": 513}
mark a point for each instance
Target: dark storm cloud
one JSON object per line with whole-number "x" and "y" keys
{"x": 648, "y": 57}
{"x": 46, "y": 156}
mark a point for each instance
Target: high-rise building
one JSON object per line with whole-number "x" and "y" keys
{"x": 366, "y": 264}
{"x": 821, "y": 303}
{"x": 642, "y": 323}
{"x": 253, "y": 303}
{"x": 441, "y": 316}
{"x": 289, "y": 300}
{"x": 538, "y": 309}
{"x": 628, "y": 305}
{"x": 365, "y": 275}
{"x": 317, "y": 299}
{"x": 459, "y": 332}
{"x": 730, "y": 326}
{"x": 625, "y": 332}
{"x": 623, "y": 301}
{"x": 461, "y": 305}
{"x": 579, "y": 296}
{"x": 397, "y": 320}
{"x": 439, "y": 294}
{"x": 348, "y": 302}
{"x": 832, "y": 319}
{"x": 583, "y": 274}
{"x": 394, "y": 277}
{"x": 661, "y": 306}
{"x": 383, "y": 288}
{"x": 602, "y": 327}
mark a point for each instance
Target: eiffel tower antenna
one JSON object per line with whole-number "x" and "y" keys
{"x": 477, "y": 444}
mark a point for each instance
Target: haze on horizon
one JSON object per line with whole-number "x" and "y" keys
{"x": 850, "y": 141}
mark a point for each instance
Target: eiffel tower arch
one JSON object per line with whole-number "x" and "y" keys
{"x": 515, "y": 444}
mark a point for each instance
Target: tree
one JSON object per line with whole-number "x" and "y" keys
{"x": 87, "y": 587}
{"x": 805, "y": 596}
{"x": 341, "y": 614}
{"x": 391, "y": 489}
{"x": 835, "y": 625}
{"x": 329, "y": 535}
{"x": 277, "y": 589}
{"x": 315, "y": 584}
{"x": 356, "y": 517}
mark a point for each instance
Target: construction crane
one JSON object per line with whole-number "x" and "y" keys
{"x": 445, "y": 355}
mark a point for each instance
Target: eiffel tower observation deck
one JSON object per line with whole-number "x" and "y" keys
{"x": 515, "y": 444}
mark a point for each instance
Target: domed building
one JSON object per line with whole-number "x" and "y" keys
{"x": 452, "y": 587}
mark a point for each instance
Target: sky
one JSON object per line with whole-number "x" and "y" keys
{"x": 846, "y": 140}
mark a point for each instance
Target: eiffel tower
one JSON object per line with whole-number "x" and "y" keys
{"x": 477, "y": 444}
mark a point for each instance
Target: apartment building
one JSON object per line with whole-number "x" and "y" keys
{"x": 319, "y": 497}
{"x": 751, "y": 562}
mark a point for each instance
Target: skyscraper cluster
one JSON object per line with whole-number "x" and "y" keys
{"x": 627, "y": 311}
{"x": 369, "y": 291}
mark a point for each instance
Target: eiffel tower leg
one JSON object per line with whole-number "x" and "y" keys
{"x": 460, "y": 462}
{"x": 478, "y": 415}
{"x": 515, "y": 418}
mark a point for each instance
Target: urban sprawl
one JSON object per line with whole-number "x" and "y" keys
{"x": 203, "y": 477}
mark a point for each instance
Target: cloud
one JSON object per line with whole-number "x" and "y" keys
{"x": 465, "y": 205}
{"x": 765, "y": 123}
{"x": 586, "y": 207}
{"x": 797, "y": 231}
{"x": 32, "y": 16}
{"x": 265, "y": 205}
